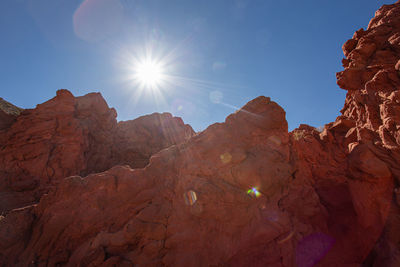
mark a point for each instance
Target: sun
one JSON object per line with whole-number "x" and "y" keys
{"x": 149, "y": 73}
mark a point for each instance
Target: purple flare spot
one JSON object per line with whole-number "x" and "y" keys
{"x": 312, "y": 248}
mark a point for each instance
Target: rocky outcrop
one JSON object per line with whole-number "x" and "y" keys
{"x": 8, "y": 114}
{"x": 241, "y": 193}
{"x": 189, "y": 206}
{"x": 372, "y": 78}
{"x": 70, "y": 135}
{"x": 136, "y": 140}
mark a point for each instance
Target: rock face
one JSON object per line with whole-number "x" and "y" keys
{"x": 372, "y": 78}
{"x": 136, "y": 140}
{"x": 8, "y": 114}
{"x": 241, "y": 193}
{"x": 75, "y": 136}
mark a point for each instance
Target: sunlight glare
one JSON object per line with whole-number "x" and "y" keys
{"x": 149, "y": 73}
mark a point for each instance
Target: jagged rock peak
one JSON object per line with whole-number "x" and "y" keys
{"x": 69, "y": 135}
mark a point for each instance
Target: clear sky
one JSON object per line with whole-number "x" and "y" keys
{"x": 217, "y": 55}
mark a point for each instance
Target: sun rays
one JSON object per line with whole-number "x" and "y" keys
{"x": 149, "y": 73}
{"x": 162, "y": 76}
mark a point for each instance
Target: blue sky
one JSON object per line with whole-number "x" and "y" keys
{"x": 220, "y": 54}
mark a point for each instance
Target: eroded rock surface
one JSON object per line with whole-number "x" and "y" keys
{"x": 8, "y": 114}
{"x": 70, "y": 135}
{"x": 241, "y": 193}
{"x": 188, "y": 207}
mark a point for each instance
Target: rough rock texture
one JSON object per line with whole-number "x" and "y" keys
{"x": 189, "y": 206}
{"x": 241, "y": 193}
{"x": 75, "y": 136}
{"x": 136, "y": 140}
{"x": 8, "y": 114}
{"x": 372, "y": 78}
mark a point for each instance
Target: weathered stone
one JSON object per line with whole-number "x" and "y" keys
{"x": 8, "y": 114}
{"x": 76, "y": 136}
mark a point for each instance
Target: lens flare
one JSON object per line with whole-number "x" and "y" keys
{"x": 97, "y": 20}
{"x": 150, "y": 72}
{"x": 190, "y": 197}
{"x": 226, "y": 157}
{"x": 253, "y": 192}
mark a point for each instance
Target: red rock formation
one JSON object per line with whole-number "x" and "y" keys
{"x": 8, "y": 114}
{"x": 188, "y": 206}
{"x": 241, "y": 193}
{"x": 372, "y": 79}
{"x": 136, "y": 140}
{"x": 75, "y": 136}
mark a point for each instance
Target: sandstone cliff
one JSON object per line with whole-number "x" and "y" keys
{"x": 241, "y": 193}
